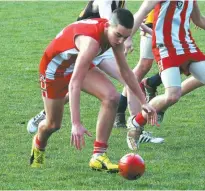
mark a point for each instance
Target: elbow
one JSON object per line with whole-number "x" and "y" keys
{"x": 125, "y": 75}
{"x": 74, "y": 85}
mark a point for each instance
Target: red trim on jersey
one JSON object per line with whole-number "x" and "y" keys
{"x": 190, "y": 36}
{"x": 182, "y": 32}
{"x": 65, "y": 41}
{"x": 181, "y": 61}
{"x": 167, "y": 30}
{"x": 155, "y": 50}
{"x": 64, "y": 65}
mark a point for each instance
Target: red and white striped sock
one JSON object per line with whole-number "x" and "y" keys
{"x": 99, "y": 148}
{"x": 38, "y": 144}
{"x": 139, "y": 120}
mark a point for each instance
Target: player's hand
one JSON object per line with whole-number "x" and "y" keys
{"x": 77, "y": 136}
{"x": 128, "y": 46}
{"x": 151, "y": 114}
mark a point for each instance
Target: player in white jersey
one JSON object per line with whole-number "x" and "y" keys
{"x": 106, "y": 62}
{"x": 175, "y": 51}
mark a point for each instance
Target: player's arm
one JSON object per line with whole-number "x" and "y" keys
{"x": 197, "y": 18}
{"x": 127, "y": 73}
{"x": 139, "y": 16}
{"x": 82, "y": 64}
{"x": 83, "y": 61}
{"x": 146, "y": 29}
{"x": 104, "y": 8}
{"x": 143, "y": 11}
{"x": 133, "y": 84}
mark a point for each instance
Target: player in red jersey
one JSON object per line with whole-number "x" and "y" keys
{"x": 175, "y": 51}
{"x": 107, "y": 63}
{"x": 66, "y": 66}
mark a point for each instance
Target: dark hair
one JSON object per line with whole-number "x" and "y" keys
{"x": 123, "y": 17}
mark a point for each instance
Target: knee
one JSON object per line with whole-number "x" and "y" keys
{"x": 53, "y": 126}
{"x": 173, "y": 98}
{"x": 111, "y": 98}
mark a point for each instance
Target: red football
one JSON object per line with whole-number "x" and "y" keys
{"x": 131, "y": 166}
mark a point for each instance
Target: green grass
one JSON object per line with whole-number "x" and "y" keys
{"x": 26, "y": 29}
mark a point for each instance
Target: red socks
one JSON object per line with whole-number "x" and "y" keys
{"x": 140, "y": 119}
{"x": 99, "y": 147}
{"x": 38, "y": 144}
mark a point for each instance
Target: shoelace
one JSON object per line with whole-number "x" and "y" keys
{"x": 38, "y": 118}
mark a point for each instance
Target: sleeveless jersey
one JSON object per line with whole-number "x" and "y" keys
{"x": 89, "y": 12}
{"x": 60, "y": 55}
{"x": 171, "y": 29}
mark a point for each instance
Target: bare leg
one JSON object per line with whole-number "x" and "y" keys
{"x": 106, "y": 92}
{"x": 109, "y": 66}
{"x": 54, "y": 113}
{"x": 141, "y": 69}
{"x": 190, "y": 84}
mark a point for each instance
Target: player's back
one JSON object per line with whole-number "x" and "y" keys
{"x": 62, "y": 52}
{"x": 172, "y": 27}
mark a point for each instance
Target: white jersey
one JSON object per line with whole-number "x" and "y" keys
{"x": 100, "y": 9}
{"x": 104, "y": 7}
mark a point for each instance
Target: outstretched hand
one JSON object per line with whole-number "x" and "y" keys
{"x": 77, "y": 136}
{"x": 151, "y": 114}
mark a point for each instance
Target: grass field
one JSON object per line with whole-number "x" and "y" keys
{"x": 26, "y": 29}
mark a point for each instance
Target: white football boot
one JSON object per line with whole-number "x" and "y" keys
{"x": 32, "y": 126}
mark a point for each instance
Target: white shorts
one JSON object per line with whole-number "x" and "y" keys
{"x": 197, "y": 69}
{"x": 106, "y": 55}
{"x": 146, "y": 47}
{"x": 171, "y": 77}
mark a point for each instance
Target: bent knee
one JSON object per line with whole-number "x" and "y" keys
{"x": 112, "y": 98}
{"x": 173, "y": 98}
{"x": 53, "y": 126}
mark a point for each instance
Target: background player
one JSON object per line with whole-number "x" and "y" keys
{"x": 174, "y": 50}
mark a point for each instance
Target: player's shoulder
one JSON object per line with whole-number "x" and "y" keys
{"x": 90, "y": 23}
{"x": 90, "y": 27}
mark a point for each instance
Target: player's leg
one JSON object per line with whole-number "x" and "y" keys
{"x": 197, "y": 69}
{"x": 97, "y": 84}
{"x": 172, "y": 82}
{"x": 190, "y": 84}
{"x": 33, "y": 123}
{"x": 141, "y": 69}
{"x": 150, "y": 86}
{"x": 107, "y": 63}
{"x": 53, "y": 106}
{"x": 109, "y": 66}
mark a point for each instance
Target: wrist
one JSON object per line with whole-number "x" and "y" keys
{"x": 76, "y": 123}
{"x": 143, "y": 101}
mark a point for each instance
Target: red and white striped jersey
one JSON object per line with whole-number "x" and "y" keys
{"x": 60, "y": 55}
{"x": 172, "y": 35}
